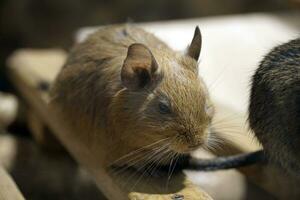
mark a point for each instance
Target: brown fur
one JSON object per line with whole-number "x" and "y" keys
{"x": 116, "y": 120}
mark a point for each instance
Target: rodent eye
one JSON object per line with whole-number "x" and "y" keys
{"x": 164, "y": 108}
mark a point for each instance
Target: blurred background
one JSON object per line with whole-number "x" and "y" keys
{"x": 52, "y": 24}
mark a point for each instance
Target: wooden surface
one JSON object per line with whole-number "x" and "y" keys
{"x": 27, "y": 69}
{"x": 8, "y": 189}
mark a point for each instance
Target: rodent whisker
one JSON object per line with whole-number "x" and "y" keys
{"x": 164, "y": 157}
{"x": 167, "y": 155}
{"x": 231, "y": 132}
{"x": 161, "y": 156}
{"x": 226, "y": 125}
{"x": 229, "y": 115}
{"x": 139, "y": 150}
{"x": 132, "y": 162}
{"x": 213, "y": 143}
{"x": 153, "y": 152}
{"x": 225, "y": 122}
{"x": 119, "y": 92}
{"x": 175, "y": 157}
{"x": 227, "y": 119}
{"x": 210, "y": 148}
{"x": 150, "y": 163}
{"x": 150, "y": 170}
{"x": 143, "y": 157}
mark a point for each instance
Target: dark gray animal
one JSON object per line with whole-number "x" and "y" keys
{"x": 274, "y": 113}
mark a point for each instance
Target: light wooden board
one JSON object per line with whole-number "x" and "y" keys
{"x": 8, "y": 189}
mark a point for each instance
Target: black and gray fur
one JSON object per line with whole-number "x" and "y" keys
{"x": 274, "y": 110}
{"x": 274, "y": 114}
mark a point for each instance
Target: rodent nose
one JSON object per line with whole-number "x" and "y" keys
{"x": 191, "y": 140}
{"x": 187, "y": 137}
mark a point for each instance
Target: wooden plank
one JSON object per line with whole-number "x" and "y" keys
{"x": 26, "y": 75}
{"x": 8, "y": 188}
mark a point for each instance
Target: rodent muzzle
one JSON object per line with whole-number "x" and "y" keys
{"x": 187, "y": 142}
{"x": 194, "y": 147}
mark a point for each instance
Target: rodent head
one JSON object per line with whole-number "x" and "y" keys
{"x": 165, "y": 99}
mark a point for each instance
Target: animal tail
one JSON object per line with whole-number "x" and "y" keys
{"x": 226, "y": 162}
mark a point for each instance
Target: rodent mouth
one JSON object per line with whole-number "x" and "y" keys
{"x": 194, "y": 147}
{"x": 186, "y": 145}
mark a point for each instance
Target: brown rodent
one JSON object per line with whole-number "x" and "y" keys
{"x": 134, "y": 98}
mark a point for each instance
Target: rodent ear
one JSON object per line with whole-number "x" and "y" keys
{"x": 195, "y": 48}
{"x": 140, "y": 69}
